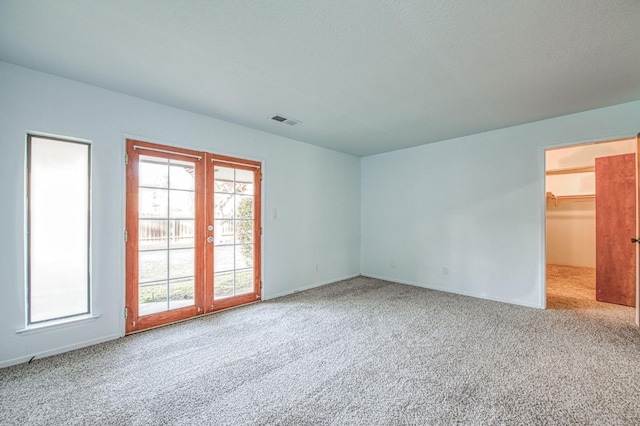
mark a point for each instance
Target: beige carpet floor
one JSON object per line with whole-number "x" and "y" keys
{"x": 357, "y": 352}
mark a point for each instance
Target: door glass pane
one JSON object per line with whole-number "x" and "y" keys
{"x": 153, "y": 202}
{"x": 223, "y": 284}
{"x": 152, "y": 234}
{"x": 223, "y": 207}
{"x": 244, "y": 231}
{"x": 244, "y": 207}
{"x": 224, "y": 232}
{"x": 181, "y": 293}
{"x": 166, "y": 241}
{"x": 223, "y": 258}
{"x": 244, "y": 256}
{"x": 244, "y": 281}
{"x": 224, "y": 180}
{"x": 152, "y": 266}
{"x": 153, "y": 298}
{"x": 181, "y": 175}
{"x": 153, "y": 172}
{"x": 181, "y": 204}
{"x": 182, "y": 233}
{"x": 181, "y": 263}
{"x": 244, "y": 182}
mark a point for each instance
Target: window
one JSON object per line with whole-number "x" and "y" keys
{"x": 58, "y": 228}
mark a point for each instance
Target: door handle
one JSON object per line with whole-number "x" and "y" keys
{"x": 209, "y": 240}
{"x": 635, "y": 240}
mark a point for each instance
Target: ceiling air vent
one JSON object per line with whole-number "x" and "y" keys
{"x": 285, "y": 120}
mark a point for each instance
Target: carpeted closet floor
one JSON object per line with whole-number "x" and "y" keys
{"x": 574, "y": 288}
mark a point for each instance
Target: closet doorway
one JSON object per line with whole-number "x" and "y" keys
{"x": 590, "y": 219}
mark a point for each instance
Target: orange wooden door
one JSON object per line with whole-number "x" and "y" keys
{"x": 165, "y": 238}
{"x": 637, "y": 223}
{"x": 615, "y": 226}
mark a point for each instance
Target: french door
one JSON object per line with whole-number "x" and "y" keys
{"x": 192, "y": 233}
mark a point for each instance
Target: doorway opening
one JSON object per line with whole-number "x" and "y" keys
{"x": 590, "y": 217}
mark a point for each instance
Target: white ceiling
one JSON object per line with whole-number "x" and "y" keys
{"x": 363, "y": 76}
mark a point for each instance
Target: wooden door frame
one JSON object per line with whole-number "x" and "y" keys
{"x": 638, "y": 230}
{"x": 543, "y": 202}
{"x": 203, "y": 272}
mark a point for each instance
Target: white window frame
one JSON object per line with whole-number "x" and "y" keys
{"x": 81, "y": 316}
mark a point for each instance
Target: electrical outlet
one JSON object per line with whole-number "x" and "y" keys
{"x": 393, "y": 264}
{"x": 445, "y": 270}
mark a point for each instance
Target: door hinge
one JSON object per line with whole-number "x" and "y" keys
{"x": 126, "y": 313}
{"x": 126, "y": 236}
{"x": 126, "y": 159}
{"x": 261, "y": 230}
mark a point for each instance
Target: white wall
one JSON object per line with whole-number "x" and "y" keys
{"x": 571, "y": 233}
{"x": 581, "y": 156}
{"x": 585, "y": 155}
{"x": 315, "y": 191}
{"x": 474, "y": 205}
{"x": 571, "y": 224}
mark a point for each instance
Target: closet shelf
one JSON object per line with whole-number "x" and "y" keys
{"x": 580, "y": 197}
{"x": 571, "y": 170}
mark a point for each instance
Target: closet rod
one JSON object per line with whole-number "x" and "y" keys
{"x": 557, "y": 198}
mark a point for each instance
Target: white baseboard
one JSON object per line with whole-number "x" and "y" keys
{"x": 463, "y": 293}
{"x": 309, "y": 287}
{"x": 58, "y": 350}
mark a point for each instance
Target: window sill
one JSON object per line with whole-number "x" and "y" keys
{"x": 57, "y": 324}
